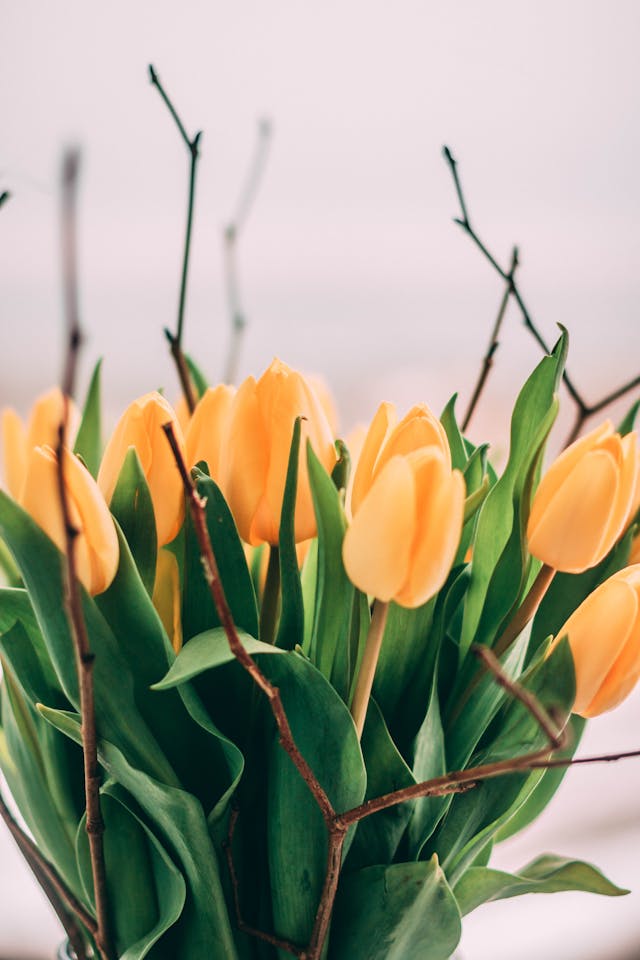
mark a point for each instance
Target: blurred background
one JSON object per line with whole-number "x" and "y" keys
{"x": 350, "y": 264}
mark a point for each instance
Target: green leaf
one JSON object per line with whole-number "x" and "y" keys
{"x": 206, "y": 652}
{"x": 402, "y": 912}
{"x": 198, "y": 611}
{"x": 429, "y": 762}
{"x": 628, "y": 421}
{"x": 200, "y": 382}
{"x": 89, "y": 439}
{"x": 547, "y": 874}
{"x": 132, "y": 507}
{"x": 501, "y": 517}
{"x": 329, "y": 647}
{"x": 459, "y": 456}
{"x": 291, "y": 627}
{"x": 146, "y": 892}
{"x": 181, "y": 827}
{"x": 378, "y": 836}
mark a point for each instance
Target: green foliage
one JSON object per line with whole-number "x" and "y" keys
{"x": 88, "y": 443}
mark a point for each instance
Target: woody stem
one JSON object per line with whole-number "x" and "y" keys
{"x": 369, "y": 663}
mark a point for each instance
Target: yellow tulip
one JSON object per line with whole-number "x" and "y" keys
{"x": 322, "y": 391}
{"x": 96, "y": 546}
{"x": 206, "y": 431}
{"x": 256, "y": 454}
{"x": 604, "y": 636}
{"x": 406, "y": 529}
{"x": 166, "y": 597}
{"x": 141, "y": 427}
{"x": 41, "y": 430}
{"x": 584, "y": 501}
{"x": 387, "y": 438}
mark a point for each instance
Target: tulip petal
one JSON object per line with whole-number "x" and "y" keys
{"x": 377, "y": 545}
{"x": 439, "y": 510}
{"x": 381, "y": 426}
{"x": 629, "y": 462}
{"x": 245, "y": 458}
{"x": 206, "y": 429}
{"x": 566, "y": 529}
{"x": 14, "y": 449}
{"x": 419, "y": 428}
{"x": 598, "y": 631}
{"x": 166, "y": 597}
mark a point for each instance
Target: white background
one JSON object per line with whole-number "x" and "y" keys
{"x": 350, "y": 263}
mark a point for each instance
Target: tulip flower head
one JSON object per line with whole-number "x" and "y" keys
{"x": 585, "y": 501}
{"x": 604, "y": 636}
{"x": 206, "y": 431}
{"x": 41, "y": 430}
{"x": 408, "y": 507}
{"x": 141, "y": 427}
{"x": 256, "y": 454}
{"x": 96, "y": 545}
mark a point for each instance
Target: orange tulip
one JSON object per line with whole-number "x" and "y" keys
{"x": 141, "y": 427}
{"x": 604, "y": 636}
{"x": 205, "y": 432}
{"x": 96, "y": 546}
{"x": 408, "y": 509}
{"x": 256, "y": 454}
{"x": 584, "y": 501}
{"x": 41, "y": 430}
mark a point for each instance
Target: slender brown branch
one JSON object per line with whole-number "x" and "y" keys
{"x": 63, "y": 901}
{"x": 487, "y": 361}
{"x": 584, "y": 410}
{"x": 73, "y": 600}
{"x": 175, "y": 340}
{"x": 231, "y": 237}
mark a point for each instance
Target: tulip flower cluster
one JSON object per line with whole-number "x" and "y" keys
{"x": 360, "y": 577}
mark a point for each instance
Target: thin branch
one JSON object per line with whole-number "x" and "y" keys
{"x": 63, "y": 901}
{"x": 73, "y": 600}
{"x": 584, "y": 410}
{"x": 4, "y": 196}
{"x": 487, "y": 361}
{"x": 175, "y": 340}
{"x": 231, "y": 237}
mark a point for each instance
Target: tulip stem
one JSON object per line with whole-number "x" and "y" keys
{"x": 527, "y": 610}
{"x": 192, "y": 146}
{"x": 231, "y": 237}
{"x": 584, "y": 409}
{"x": 364, "y": 683}
{"x": 270, "y": 598}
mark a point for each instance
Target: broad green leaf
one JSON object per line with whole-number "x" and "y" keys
{"x": 378, "y": 836}
{"x": 132, "y": 507}
{"x": 547, "y": 874}
{"x": 403, "y": 912}
{"x": 330, "y": 648}
{"x": 459, "y": 455}
{"x": 89, "y": 438}
{"x": 26, "y": 650}
{"x": 206, "y": 652}
{"x": 533, "y": 415}
{"x": 429, "y": 762}
{"x": 291, "y": 626}
{"x": 181, "y": 827}
{"x": 198, "y": 611}
{"x": 146, "y": 892}
{"x": 309, "y": 583}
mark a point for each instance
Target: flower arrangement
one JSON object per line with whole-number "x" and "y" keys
{"x": 266, "y": 697}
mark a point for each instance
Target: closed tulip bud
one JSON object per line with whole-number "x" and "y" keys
{"x": 96, "y": 544}
{"x": 584, "y": 501}
{"x": 141, "y": 427}
{"x": 256, "y": 455}
{"x": 604, "y": 636}
{"x": 205, "y": 432}
{"x": 406, "y": 526}
{"x": 41, "y": 430}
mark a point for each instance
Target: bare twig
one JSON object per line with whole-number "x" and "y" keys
{"x": 63, "y": 901}
{"x": 175, "y": 340}
{"x": 4, "y": 196}
{"x": 584, "y": 409}
{"x": 494, "y": 343}
{"x": 231, "y": 237}
{"x": 73, "y": 601}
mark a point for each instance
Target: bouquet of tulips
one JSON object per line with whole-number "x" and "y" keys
{"x": 267, "y": 693}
